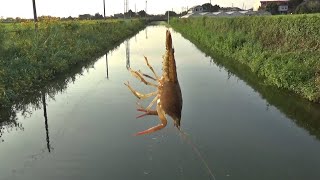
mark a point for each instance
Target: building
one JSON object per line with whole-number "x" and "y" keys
{"x": 196, "y": 9}
{"x": 119, "y": 15}
{"x": 229, "y": 14}
{"x": 85, "y": 16}
{"x": 283, "y": 5}
{"x": 228, "y": 9}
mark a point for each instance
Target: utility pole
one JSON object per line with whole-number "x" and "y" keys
{"x": 44, "y": 105}
{"x": 35, "y": 14}
{"x": 127, "y": 54}
{"x": 146, "y": 7}
{"x": 104, "y": 9}
{"x": 125, "y": 8}
{"x": 107, "y": 65}
{"x": 210, "y": 2}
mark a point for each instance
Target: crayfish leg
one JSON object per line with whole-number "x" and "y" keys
{"x": 162, "y": 118}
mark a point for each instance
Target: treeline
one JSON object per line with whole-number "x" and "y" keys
{"x": 310, "y": 6}
{"x": 295, "y": 7}
{"x": 52, "y": 18}
{"x": 96, "y": 16}
{"x": 284, "y": 51}
{"x": 29, "y": 58}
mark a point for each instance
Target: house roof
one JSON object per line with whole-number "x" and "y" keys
{"x": 227, "y": 14}
{"x": 274, "y": 1}
{"x": 216, "y": 13}
{"x": 204, "y": 13}
{"x": 195, "y": 6}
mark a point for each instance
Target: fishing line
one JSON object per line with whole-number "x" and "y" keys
{"x": 196, "y": 150}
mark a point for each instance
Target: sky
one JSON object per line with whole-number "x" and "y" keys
{"x": 65, "y": 8}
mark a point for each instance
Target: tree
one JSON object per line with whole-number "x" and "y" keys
{"x": 261, "y": 8}
{"x": 293, "y": 4}
{"x": 301, "y": 10}
{"x": 84, "y": 16}
{"x": 18, "y": 19}
{"x": 171, "y": 13}
{"x": 312, "y": 6}
{"x": 208, "y": 7}
{"x": 130, "y": 13}
{"x": 98, "y": 16}
{"x": 273, "y": 8}
{"x": 183, "y": 13}
{"x": 142, "y": 13}
{"x": 215, "y": 8}
{"x": 70, "y": 18}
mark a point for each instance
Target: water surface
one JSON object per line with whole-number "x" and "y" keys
{"x": 242, "y": 129}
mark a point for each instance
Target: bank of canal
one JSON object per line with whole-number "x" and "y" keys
{"x": 242, "y": 129}
{"x": 30, "y": 58}
{"x": 283, "y": 51}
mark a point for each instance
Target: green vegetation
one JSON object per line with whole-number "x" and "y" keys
{"x": 293, "y": 4}
{"x": 32, "y": 99}
{"x": 304, "y": 113}
{"x": 28, "y": 58}
{"x": 273, "y": 8}
{"x": 284, "y": 51}
{"x": 311, "y": 6}
{"x": 295, "y": 7}
{"x": 208, "y": 7}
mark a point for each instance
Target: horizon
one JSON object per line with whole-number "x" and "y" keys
{"x": 74, "y": 8}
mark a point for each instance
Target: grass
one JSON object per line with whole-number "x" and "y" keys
{"x": 28, "y": 59}
{"x": 284, "y": 51}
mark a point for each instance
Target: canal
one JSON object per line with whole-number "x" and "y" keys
{"x": 82, "y": 126}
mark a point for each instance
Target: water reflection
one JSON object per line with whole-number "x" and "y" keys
{"x": 35, "y": 99}
{"x": 127, "y": 54}
{"x": 107, "y": 66}
{"x": 304, "y": 113}
{"x": 44, "y": 105}
{"x": 168, "y": 97}
{"x": 94, "y": 119}
{"x": 8, "y": 121}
